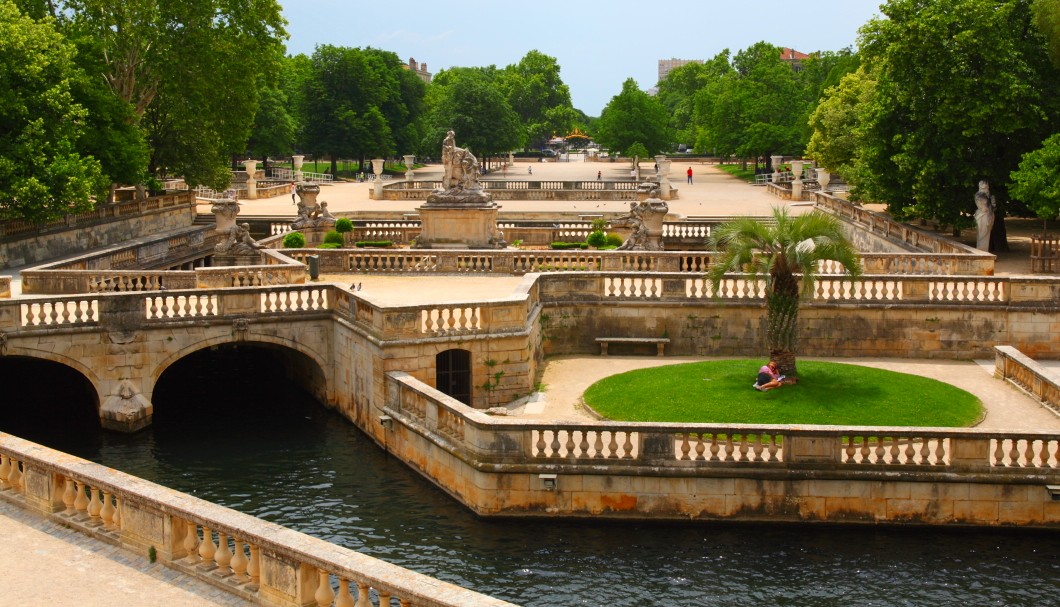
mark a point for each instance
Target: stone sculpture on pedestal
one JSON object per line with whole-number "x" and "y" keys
{"x": 984, "y": 215}
{"x": 460, "y": 214}
{"x": 645, "y": 220}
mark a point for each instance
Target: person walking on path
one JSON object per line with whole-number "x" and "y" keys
{"x": 529, "y": 170}
{"x": 599, "y": 175}
{"x": 293, "y": 191}
{"x": 689, "y": 175}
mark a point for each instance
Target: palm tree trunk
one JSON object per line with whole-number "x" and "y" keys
{"x": 782, "y": 321}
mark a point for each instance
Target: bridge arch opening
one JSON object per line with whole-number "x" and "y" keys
{"x": 453, "y": 374}
{"x": 48, "y": 402}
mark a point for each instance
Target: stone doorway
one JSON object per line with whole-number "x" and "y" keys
{"x": 453, "y": 374}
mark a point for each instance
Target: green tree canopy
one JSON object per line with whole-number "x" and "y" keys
{"x": 677, "y": 92}
{"x": 42, "y": 177}
{"x": 837, "y": 124}
{"x": 1036, "y": 182}
{"x": 536, "y": 92}
{"x": 963, "y": 89}
{"x": 471, "y": 103}
{"x": 634, "y": 116}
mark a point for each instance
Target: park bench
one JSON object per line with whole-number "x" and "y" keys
{"x": 660, "y": 342}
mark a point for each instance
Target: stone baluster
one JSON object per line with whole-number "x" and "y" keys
{"x": 191, "y": 542}
{"x": 68, "y": 495}
{"x": 81, "y": 499}
{"x": 239, "y": 561}
{"x": 324, "y": 594}
{"x": 14, "y": 478}
{"x": 207, "y": 548}
{"x": 116, "y": 518}
{"x": 384, "y": 599}
{"x": 223, "y": 556}
{"x": 95, "y": 505}
{"x": 254, "y": 566}
{"x": 362, "y": 596}
{"x": 5, "y": 470}
{"x": 107, "y": 511}
{"x": 344, "y": 599}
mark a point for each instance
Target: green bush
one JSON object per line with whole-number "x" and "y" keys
{"x": 294, "y": 240}
{"x": 614, "y": 240}
{"x": 596, "y": 239}
{"x": 569, "y": 245}
{"x": 343, "y": 225}
{"x": 333, "y": 237}
{"x": 330, "y": 245}
{"x": 373, "y": 243}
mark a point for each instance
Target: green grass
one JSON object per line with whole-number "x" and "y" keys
{"x": 827, "y": 393}
{"x": 735, "y": 170}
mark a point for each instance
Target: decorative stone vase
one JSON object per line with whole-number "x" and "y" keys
{"x": 377, "y": 168}
{"x": 251, "y": 169}
{"x": 296, "y": 161}
{"x": 823, "y": 177}
{"x": 409, "y": 161}
{"x": 776, "y": 160}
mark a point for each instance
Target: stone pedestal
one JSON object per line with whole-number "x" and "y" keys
{"x": 224, "y": 212}
{"x": 127, "y": 410}
{"x": 796, "y": 182}
{"x": 377, "y": 168}
{"x": 251, "y": 168}
{"x": 409, "y": 161}
{"x": 459, "y": 219}
{"x": 296, "y": 161}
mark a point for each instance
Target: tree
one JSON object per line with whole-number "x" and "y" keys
{"x": 633, "y": 116}
{"x": 785, "y": 254}
{"x": 273, "y": 133}
{"x": 1037, "y": 181}
{"x": 636, "y": 150}
{"x": 470, "y": 102}
{"x": 838, "y": 132}
{"x": 536, "y": 92}
{"x": 188, "y": 64}
{"x": 1047, "y": 18}
{"x": 42, "y": 177}
{"x": 677, "y": 92}
{"x": 963, "y": 89}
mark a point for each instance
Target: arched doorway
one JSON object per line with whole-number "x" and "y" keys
{"x": 49, "y": 403}
{"x": 453, "y": 374}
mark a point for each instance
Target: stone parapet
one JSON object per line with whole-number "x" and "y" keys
{"x": 1023, "y": 372}
{"x": 937, "y": 476}
{"x": 259, "y": 561}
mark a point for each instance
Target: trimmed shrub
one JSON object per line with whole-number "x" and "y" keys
{"x": 596, "y": 239}
{"x": 343, "y": 225}
{"x": 294, "y": 240}
{"x": 333, "y": 237}
{"x": 614, "y": 240}
{"x": 330, "y": 245}
{"x": 373, "y": 243}
{"x": 569, "y": 245}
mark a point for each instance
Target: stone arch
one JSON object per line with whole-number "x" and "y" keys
{"x": 61, "y": 359}
{"x": 46, "y": 393}
{"x": 322, "y": 367}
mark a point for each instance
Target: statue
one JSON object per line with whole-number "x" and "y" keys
{"x": 317, "y": 216}
{"x": 645, "y": 221}
{"x": 237, "y": 241}
{"x": 461, "y": 166}
{"x": 984, "y": 215}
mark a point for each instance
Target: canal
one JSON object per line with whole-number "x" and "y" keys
{"x": 268, "y": 449}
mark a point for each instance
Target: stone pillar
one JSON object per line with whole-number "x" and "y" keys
{"x": 511, "y": 159}
{"x": 126, "y": 410}
{"x": 296, "y": 161}
{"x": 796, "y": 182}
{"x": 224, "y": 212}
{"x": 409, "y": 161}
{"x": 377, "y": 167}
{"x": 251, "y": 168}
{"x": 823, "y": 177}
{"x": 776, "y": 160}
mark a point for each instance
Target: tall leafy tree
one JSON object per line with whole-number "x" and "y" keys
{"x": 1036, "y": 182}
{"x": 838, "y": 133}
{"x": 963, "y": 89}
{"x": 634, "y": 116}
{"x": 471, "y": 102}
{"x": 679, "y": 89}
{"x": 538, "y": 95}
{"x": 785, "y": 254}
{"x": 42, "y": 177}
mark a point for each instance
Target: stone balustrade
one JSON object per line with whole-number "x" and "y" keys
{"x": 259, "y": 561}
{"x": 1020, "y": 370}
{"x": 524, "y": 190}
{"x": 735, "y": 472}
{"x": 15, "y": 228}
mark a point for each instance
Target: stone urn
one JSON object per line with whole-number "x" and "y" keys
{"x": 297, "y": 161}
{"x": 776, "y": 160}
{"x": 796, "y": 179}
{"x": 409, "y": 161}
{"x": 823, "y": 177}
{"x": 377, "y": 168}
{"x": 251, "y": 169}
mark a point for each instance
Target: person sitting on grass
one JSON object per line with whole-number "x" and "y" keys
{"x": 768, "y": 377}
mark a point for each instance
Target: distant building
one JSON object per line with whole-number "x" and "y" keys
{"x": 666, "y": 65}
{"x": 419, "y": 69}
{"x": 793, "y": 57}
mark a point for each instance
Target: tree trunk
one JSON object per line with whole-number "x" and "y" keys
{"x": 999, "y": 235}
{"x": 334, "y": 165}
{"x": 782, "y": 323}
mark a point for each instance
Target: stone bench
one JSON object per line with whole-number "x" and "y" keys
{"x": 660, "y": 342}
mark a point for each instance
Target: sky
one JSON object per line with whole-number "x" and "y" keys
{"x": 598, "y": 44}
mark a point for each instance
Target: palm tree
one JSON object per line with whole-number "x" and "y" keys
{"x": 786, "y": 254}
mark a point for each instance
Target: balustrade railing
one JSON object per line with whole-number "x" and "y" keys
{"x": 103, "y": 212}
{"x": 650, "y": 447}
{"x": 1022, "y": 371}
{"x": 261, "y": 562}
